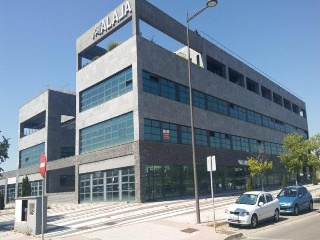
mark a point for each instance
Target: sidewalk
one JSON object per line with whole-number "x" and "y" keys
{"x": 156, "y": 221}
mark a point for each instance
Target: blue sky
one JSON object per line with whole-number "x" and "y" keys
{"x": 37, "y": 46}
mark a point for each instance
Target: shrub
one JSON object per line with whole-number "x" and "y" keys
{"x": 1, "y": 201}
{"x": 25, "y": 187}
{"x": 314, "y": 178}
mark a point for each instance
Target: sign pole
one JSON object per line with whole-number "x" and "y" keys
{"x": 43, "y": 170}
{"x": 211, "y": 166}
{"x": 214, "y": 218}
{"x": 43, "y": 189}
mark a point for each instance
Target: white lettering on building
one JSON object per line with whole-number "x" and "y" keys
{"x": 107, "y": 24}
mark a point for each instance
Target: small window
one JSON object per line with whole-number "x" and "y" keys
{"x": 269, "y": 198}
{"x": 261, "y": 199}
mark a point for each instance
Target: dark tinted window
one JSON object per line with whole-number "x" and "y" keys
{"x": 269, "y": 197}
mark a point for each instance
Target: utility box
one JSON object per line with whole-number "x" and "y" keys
{"x": 28, "y": 215}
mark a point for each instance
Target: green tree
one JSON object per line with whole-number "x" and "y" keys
{"x": 259, "y": 166}
{"x": 25, "y": 187}
{"x": 297, "y": 154}
{"x": 315, "y": 151}
{"x": 4, "y": 146}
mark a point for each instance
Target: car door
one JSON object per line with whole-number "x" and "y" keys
{"x": 301, "y": 199}
{"x": 261, "y": 210}
{"x": 270, "y": 205}
{"x": 305, "y": 198}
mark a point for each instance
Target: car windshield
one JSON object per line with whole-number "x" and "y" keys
{"x": 288, "y": 192}
{"x": 249, "y": 199}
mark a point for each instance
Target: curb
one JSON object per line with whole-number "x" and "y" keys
{"x": 234, "y": 236}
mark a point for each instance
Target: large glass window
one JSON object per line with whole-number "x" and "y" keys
{"x": 171, "y": 90}
{"x": 85, "y": 183}
{"x": 36, "y": 188}
{"x": 109, "y": 185}
{"x": 31, "y": 156}
{"x": 107, "y": 89}
{"x": 109, "y": 133}
{"x": 172, "y": 133}
{"x": 127, "y": 184}
{"x": 97, "y": 186}
{"x": 11, "y": 192}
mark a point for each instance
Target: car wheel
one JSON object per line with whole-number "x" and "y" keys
{"x": 276, "y": 215}
{"x": 254, "y": 221}
{"x": 311, "y": 206}
{"x": 296, "y": 210}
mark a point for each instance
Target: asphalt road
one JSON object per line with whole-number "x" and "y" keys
{"x": 306, "y": 226}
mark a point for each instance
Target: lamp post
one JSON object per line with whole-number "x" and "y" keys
{"x": 210, "y": 3}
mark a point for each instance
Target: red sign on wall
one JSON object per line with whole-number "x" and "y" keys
{"x": 166, "y": 134}
{"x": 43, "y": 165}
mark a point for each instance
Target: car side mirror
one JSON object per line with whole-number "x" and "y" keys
{"x": 260, "y": 204}
{"x": 278, "y": 196}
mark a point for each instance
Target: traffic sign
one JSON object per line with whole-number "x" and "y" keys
{"x": 211, "y": 163}
{"x": 43, "y": 165}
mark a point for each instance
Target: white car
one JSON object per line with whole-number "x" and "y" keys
{"x": 252, "y": 207}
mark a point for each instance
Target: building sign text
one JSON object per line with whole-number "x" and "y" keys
{"x": 110, "y": 21}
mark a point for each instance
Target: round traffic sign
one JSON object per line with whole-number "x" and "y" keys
{"x": 43, "y": 165}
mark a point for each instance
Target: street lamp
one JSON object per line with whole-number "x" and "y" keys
{"x": 210, "y": 3}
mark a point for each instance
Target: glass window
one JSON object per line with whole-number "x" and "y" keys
{"x": 168, "y": 89}
{"x": 223, "y": 107}
{"x": 11, "y": 192}
{"x": 236, "y": 143}
{"x": 152, "y": 130}
{"x": 242, "y": 113}
{"x": 186, "y": 135}
{"x": 31, "y": 156}
{"x": 109, "y": 88}
{"x": 199, "y": 99}
{"x": 244, "y": 144}
{"x": 201, "y": 137}
{"x": 212, "y": 104}
{"x": 112, "y": 132}
{"x": 233, "y": 111}
{"x": 184, "y": 96}
{"x": 225, "y": 141}
{"x": 253, "y": 145}
{"x": 169, "y": 132}
{"x": 250, "y": 115}
{"x": 215, "y": 140}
